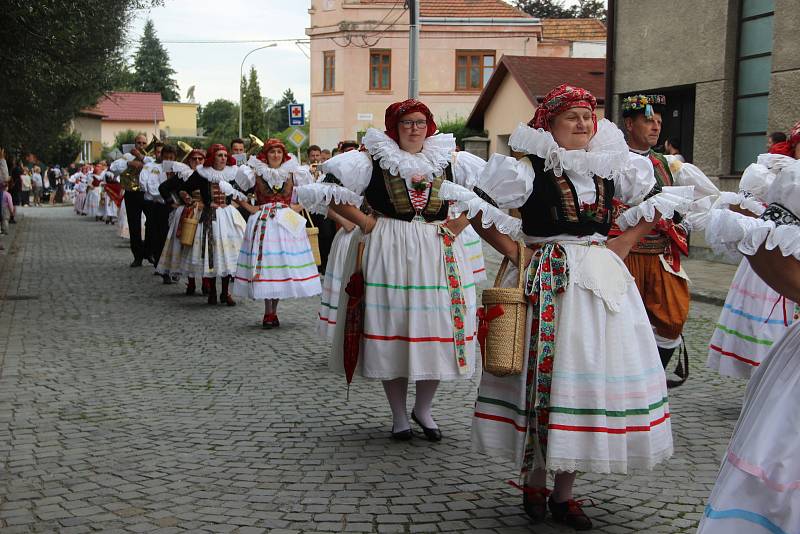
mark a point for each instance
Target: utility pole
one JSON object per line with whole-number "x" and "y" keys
{"x": 413, "y": 49}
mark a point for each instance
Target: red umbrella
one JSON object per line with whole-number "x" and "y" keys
{"x": 354, "y": 318}
{"x": 353, "y": 324}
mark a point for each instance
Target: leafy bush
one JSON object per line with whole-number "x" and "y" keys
{"x": 458, "y": 127}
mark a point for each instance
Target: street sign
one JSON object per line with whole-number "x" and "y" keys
{"x": 297, "y": 116}
{"x": 297, "y": 138}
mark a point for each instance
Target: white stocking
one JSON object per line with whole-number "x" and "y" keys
{"x": 426, "y": 389}
{"x": 396, "y": 393}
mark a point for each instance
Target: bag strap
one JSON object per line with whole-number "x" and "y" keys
{"x": 504, "y": 266}
{"x": 308, "y": 217}
{"x": 682, "y": 369}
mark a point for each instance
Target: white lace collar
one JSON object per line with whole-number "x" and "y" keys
{"x": 607, "y": 151}
{"x": 214, "y": 176}
{"x": 275, "y": 178}
{"x": 434, "y": 158}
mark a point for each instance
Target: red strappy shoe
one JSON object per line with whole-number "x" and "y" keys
{"x": 570, "y": 513}
{"x": 534, "y": 501}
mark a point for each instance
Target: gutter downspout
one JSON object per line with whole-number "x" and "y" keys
{"x": 610, "y": 59}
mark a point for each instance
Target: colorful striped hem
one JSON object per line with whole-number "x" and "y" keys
{"x": 302, "y": 266}
{"x": 472, "y": 243}
{"x": 758, "y": 296}
{"x": 407, "y": 339}
{"x": 609, "y": 430}
{"x": 734, "y": 356}
{"x": 756, "y": 318}
{"x": 575, "y": 428}
{"x": 744, "y": 515}
{"x": 580, "y": 411}
{"x": 475, "y": 257}
{"x": 376, "y": 306}
{"x": 741, "y": 335}
{"x": 410, "y": 287}
{"x": 326, "y": 320}
{"x": 759, "y": 473}
{"x": 276, "y": 253}
{"x": 328, "y": 305}
{"x": 248, "y": 280}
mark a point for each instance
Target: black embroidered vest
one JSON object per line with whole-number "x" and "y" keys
{"x": 388, "y": 195}
{"x": 554, "y": 208}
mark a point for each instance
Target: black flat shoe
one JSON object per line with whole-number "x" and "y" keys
{"x": 403, "y": 435}
{"x": 136, "y": 263}
{"x": 433, "y": 434}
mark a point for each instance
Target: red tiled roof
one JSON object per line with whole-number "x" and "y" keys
{"x": 537, "y": 75}
{"x": 462, "y": 8}
{"x": 573, "y": 30}
{"x": 124, "y": 106}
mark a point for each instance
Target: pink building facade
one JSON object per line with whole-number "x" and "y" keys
{"x": 359, "y": 58}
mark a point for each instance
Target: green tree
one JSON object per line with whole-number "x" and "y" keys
{"x": 278, "y": 114}
{"x": 121, "y": 77}
{"x": 555, "y": 9}
{"x": 51, "y": 66}
{"x": 125, "y": 137}
{"x": 151, "y": 64}
{"x": 220, "y": 121}
{"x": 62, "y": 150}
{"x": 458, "y": 127}
{"x": 252, "y": 105}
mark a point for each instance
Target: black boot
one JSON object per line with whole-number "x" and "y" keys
{"x": 666, "y": 356}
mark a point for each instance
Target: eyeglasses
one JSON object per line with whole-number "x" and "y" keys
{"x": 421, "y": 123}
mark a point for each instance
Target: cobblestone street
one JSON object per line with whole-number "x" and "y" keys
{"x": 126, "y": 406}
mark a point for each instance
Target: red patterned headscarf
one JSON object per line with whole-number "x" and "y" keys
{"x": 269, "y": 145}
{"x": 398, "y": 109}
{"x": 212, "y": 153}
{"x": 560, "y": 99}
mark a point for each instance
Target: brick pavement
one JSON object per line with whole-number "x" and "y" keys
{"x": 128, "y": 407}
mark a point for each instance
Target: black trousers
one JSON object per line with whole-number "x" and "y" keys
{"x": 134, "y": 204}
{"x": 158, "y": 230}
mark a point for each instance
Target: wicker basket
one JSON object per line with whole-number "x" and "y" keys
{"x": 504, "y": 348}
{"x": 313, "y": 238}
{"x": 188, "y": 228}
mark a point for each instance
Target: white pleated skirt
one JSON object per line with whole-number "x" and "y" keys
{"x": 753, "y": 318}
{"x": 609, "y": 411}
{"x": 228, "y": 232}
{"x": 408, "y": 327}
{"x": 758, "y": 487}
{"x": 334, "y": 283}
{"x": 273, "y": 262}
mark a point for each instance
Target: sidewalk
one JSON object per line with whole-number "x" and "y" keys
{"x": 710, "y": 280}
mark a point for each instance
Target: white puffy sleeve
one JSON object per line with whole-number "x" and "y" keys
{"x": 146, "y": 179}
{"x": 118, "y": 166}
{"x": 504, "y": 183}
{"x": 245, "y": 177}
{"x": 345, "y": 178}
{"x": 467, "y": 168}
{"x": 228, "y": 190}
{"x": 302, "y": 176}
{"x": 705, "y": 193}
{"x": 633, "y": 183}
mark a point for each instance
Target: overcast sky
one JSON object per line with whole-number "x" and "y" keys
{"x": 214, "y": 68}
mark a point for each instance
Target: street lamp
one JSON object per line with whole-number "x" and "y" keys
{"x": 241, "y": 73}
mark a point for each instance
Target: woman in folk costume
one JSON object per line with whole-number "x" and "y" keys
{"x": 221, "y": 228}
{"x": 95, "y": 181}
{"x": 592, "y": 395}
{"x": 757, "y": 490}
{"x": 419, "y": 304}
{"x": 275, "y": 261}
{"x": 79, "y": 179}
{"x": 175, "y": 257}
{"x": 754, "y": 315}
{"x": 111, "y": 190}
